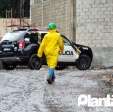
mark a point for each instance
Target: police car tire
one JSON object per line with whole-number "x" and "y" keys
{"x": 84, "y": 62}
{"x": 34, "y": 62}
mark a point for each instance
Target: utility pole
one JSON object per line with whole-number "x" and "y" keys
{"x": 30, "y": 10}
{"x": 74, "y": 20}
{"x": 42, "y": 13}
{"x": 23, "y": 1}
{"x": 11, "y": 18}
{"x": 6, "y": 20}
{"x": 20, "y": 13}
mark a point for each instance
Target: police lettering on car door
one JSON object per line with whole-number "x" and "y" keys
{"x": 67, "y": 52}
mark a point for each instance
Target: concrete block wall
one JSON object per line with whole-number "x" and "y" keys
{"x": 94, "y": 22}
{"x": 58, "y": 11}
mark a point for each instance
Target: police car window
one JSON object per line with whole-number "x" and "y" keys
{"x": 66, "y": 41}
{"x": 14, "y": 36}
{"x": 27, "y": 35}
{"x": 42, "y": 35}
{"x": 39, "y": 37}
{"x": 33, "y": 37}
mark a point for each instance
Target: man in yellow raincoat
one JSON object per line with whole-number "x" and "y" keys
{"x": 52, "y": 46}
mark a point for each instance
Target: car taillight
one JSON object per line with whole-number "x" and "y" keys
{"x": 21, "y": 44}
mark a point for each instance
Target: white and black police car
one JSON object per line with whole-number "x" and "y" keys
{"x": 20, "y": 47}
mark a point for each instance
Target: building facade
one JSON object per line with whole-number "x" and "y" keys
{"x": 58, "y": 11}
{"x": 88, "y": 22}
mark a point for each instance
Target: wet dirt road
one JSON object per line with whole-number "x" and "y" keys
{"x": 24, "y": 90}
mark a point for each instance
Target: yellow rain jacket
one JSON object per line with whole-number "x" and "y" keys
{"x": 52, "y": 45}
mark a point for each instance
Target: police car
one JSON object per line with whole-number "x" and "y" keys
{"x": 20, "y": 47}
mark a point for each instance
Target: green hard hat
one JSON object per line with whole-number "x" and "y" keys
{"x": 52, "y": 26}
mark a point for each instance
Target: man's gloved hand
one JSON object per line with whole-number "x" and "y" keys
{"x": 60, "y": 52}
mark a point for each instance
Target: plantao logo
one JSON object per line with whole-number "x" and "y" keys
{"x": 88, "y": 100}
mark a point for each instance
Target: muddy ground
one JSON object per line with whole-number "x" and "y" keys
{"x": 24, "y": 90}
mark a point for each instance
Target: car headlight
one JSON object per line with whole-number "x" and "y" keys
{"x": 85, "y": 48}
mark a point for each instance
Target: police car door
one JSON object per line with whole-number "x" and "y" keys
{"x": 69, "y": 53}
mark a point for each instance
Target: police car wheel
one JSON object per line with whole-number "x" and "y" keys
{"x": 83, "y": 62}
{"x": 34, "y": 62}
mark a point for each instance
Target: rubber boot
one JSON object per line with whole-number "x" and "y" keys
{"x": 49, "y": 79}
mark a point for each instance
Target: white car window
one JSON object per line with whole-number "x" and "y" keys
{"x": 41, "y": 36}
{"x": 14, "y": 36}
{"x": 66, "y": 41}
